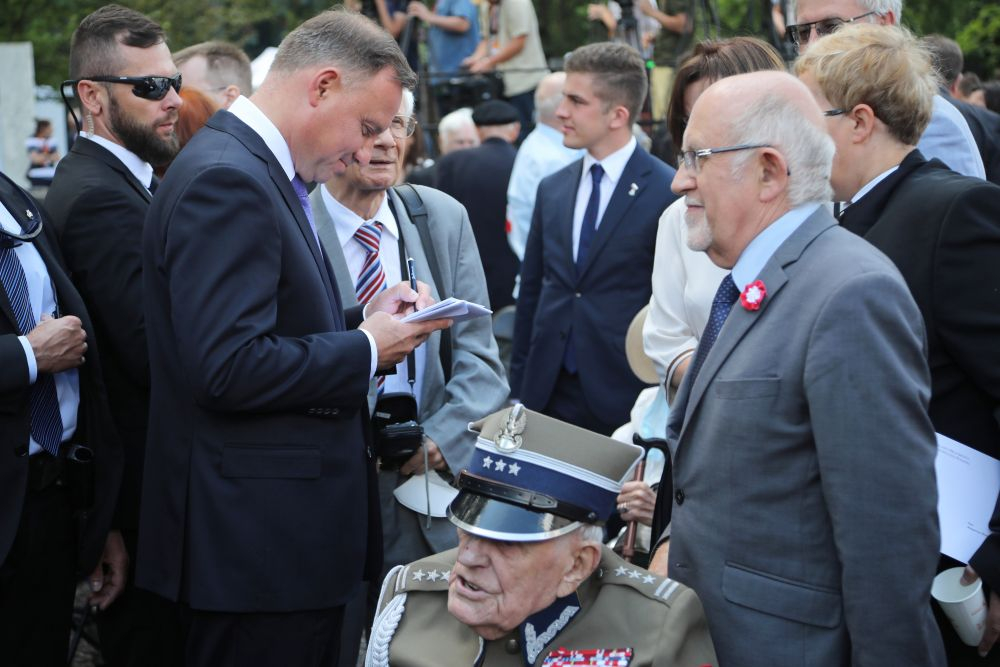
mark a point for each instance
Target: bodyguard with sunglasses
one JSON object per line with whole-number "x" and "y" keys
{"x": 126, "y": 83}
{"x": 60, "y": 462}
{"x": 947, "y": 137}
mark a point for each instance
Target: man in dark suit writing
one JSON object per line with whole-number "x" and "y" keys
{"x": 259, "y": 507}
{"x": 589, "y": 257}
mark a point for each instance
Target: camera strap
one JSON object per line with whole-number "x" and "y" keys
{"x": 417, "y": 213}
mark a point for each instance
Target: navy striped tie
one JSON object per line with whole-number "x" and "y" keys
{"x": 46, "y": 422}
{"x": 725, "y": 297}
{"x": 371, "y": 279}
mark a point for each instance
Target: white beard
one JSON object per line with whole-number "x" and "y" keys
{"x": 699, "y": 233}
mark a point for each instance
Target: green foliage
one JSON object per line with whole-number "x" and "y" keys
{"x": 980, "y": 41}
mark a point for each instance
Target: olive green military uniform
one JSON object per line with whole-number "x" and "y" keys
{"x": 620, "y": 607}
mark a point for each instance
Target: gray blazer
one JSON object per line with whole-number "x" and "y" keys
{"x": 478, "y": 385}
{"x": 804, "y": 511}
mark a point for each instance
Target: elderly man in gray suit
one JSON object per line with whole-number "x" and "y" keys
{"x": 366, "y": 229}
{"x": 803, "y": 457}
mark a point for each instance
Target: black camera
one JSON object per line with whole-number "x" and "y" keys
{"x": 398, "y": 434}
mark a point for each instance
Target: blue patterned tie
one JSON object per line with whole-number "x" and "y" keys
{"x": 725, "y": 297}
{"x": 46, "y": 422}
{"x": 589, "y": 225}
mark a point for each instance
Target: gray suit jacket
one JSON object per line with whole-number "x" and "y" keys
{"x": 478, "y": 385}
{"x": 804, "y": 511}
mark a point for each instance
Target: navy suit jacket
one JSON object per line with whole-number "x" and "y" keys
{"x": 258, "y": 492}
{"x": 598, "y": 303}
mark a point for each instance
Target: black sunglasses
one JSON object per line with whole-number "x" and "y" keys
{"x": 146, "y": 87}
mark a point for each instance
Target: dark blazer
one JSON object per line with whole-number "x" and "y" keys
{"x": 942, "y": 231}
{"x": 985, "y": 127}
{"x": 98, "y": 208}
{"x": 477, "y": 178}
{"x": 598, "y": 304}
{"x": 94, "y": 425}
{"x": 259, "y": 491}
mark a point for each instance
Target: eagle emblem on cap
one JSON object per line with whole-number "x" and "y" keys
{"x": 509, "y": 439}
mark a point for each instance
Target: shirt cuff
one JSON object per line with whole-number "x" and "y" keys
{"x": 30, "y": 356}
{"x": 374, "y": 347}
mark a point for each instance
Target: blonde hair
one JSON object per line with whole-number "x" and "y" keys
{"x": 881, "y": 66}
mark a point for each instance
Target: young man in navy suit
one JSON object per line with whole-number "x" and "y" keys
{"x": 589, "y": 256}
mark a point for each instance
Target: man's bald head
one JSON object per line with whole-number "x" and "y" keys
{"x": 749, "y": 90}
{"x": 548, "y": 94}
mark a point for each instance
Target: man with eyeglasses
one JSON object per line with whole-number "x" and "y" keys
{"x": 127, "y": 87}
{"x": 55, "y": 508}
{"x": 801, "y": 423}
{"x": 947, "y": 137}
{"x": 353, "y": 209}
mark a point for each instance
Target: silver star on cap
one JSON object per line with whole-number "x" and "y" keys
{"x": 487, "y": 462}
{"x": 513, "y": 469}
{"x": 500, "y": 465}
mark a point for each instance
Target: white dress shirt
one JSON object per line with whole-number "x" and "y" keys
{"x": 256, "y": 120}
{"x": 613, "y": 166}
{"x": 142, "y": 170}
{"x": 347, "y": 222}
{"x": 42, "y": 298}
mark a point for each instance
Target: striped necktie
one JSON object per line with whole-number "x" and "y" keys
{"x": 43, "y": 403}
{"x": 371, "y": 279}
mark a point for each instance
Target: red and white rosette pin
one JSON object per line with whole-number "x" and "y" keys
{"x": 753, "y": 295}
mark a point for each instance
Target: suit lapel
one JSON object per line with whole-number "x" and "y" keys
{"x": 635, "y": 173}
{"x": 91, "y": 149}
{"x": 327, "y": 232}
{"x": 740, "y": 320}
{"x": 564, "y": 228}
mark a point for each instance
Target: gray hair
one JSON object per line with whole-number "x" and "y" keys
{"x": 588, "y": 533}
{"x": 407, "y": 102}
{"x": 344, "y": 38}
{"x": 546, "y": 105}
{"x": 884, "y": 7}
{"x": 225, "y": 64}
{"x": 808, "y": 150}
{"x": 455, "y": 120}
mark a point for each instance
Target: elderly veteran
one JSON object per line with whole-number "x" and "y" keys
{"x": 531, "y": 583}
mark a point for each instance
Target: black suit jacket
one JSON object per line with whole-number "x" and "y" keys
{"x": 985, "y": 127}
{"x": 942, "y": 231}
{"x": 94, "y": 425}
{"x": 597, "y": 304}
{"x": 478, "y": 177}
{"x": 99, "y": 209}
{"x": 259, "y": 492}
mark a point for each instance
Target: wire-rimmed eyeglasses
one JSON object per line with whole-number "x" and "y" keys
{"x": 691, "y": 159}
{"x": 402, "y": 126}
{"x": 800, "y": 32}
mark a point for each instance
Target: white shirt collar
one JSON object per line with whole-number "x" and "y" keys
{"x": 867, "y": 187}
{"x": 256, "y": 120}
{"x": 613, "y": 164}
{"x": 347, "y": 222}
{"x": 763, "y": 246}
{"x": 142, "y": 170}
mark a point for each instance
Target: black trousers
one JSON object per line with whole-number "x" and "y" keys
{"x": 302, "y": 639}
{"x": 568, "y": 403}
{"x": 140, "y": 629}
{"x": 37, "y": 577}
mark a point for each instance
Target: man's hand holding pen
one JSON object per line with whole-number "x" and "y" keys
{"x": 395, "y": 339}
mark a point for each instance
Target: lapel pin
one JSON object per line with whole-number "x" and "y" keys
{"x": 632, "y": 189}
{"x": 30, "y": 216}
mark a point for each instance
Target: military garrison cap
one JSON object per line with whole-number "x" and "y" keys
{"x": 533, "y": 478}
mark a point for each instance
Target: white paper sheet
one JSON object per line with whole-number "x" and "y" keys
{"x": 451, "y": 308}
{"x": 968, "y": 484}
